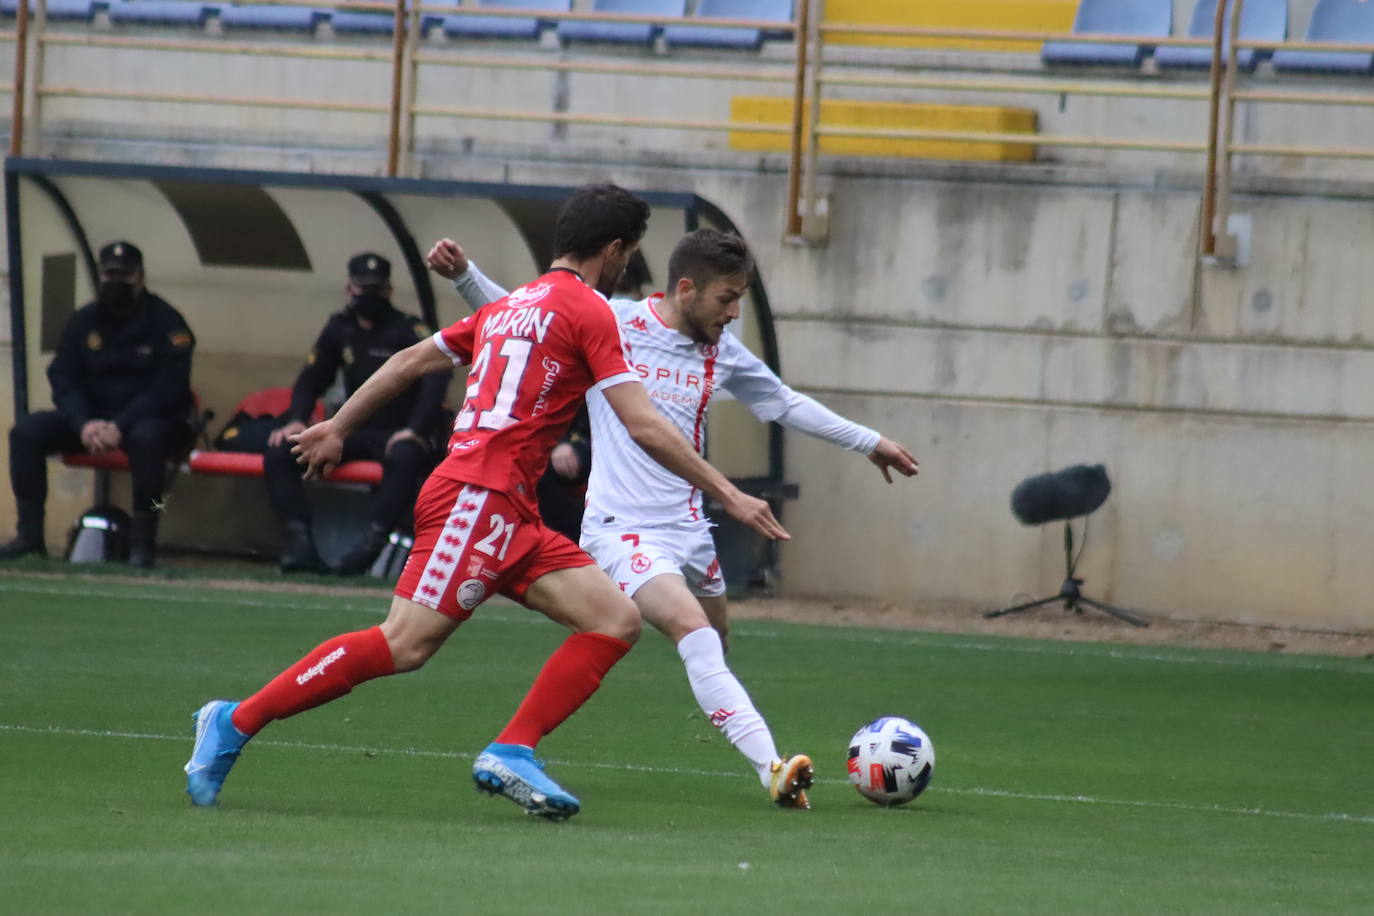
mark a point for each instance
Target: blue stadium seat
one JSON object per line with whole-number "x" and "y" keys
{"x": 280, "y": 18}
{"x": 502, "y": 26}
{"x": 1260, "y": 20}
{"x": 698, "y": 36}
{"x": 622, "y": 32}
{"x": 162, "y": 12}
{"x": 58, "y": 10}
{"x": 1334, "y": 20}
{"x": 1146, "y": 18}
{"x": 352, "y": 22}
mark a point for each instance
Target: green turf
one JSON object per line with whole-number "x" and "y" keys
{"x": 1071, "y": 778}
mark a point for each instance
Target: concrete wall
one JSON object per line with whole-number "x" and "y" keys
{"x": 1002, "y": 322}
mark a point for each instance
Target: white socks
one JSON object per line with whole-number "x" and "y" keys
{"x": 723, "y": 698}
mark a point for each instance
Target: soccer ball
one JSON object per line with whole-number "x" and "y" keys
{"x": 890, "y": 761}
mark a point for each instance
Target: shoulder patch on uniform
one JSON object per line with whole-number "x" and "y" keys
{"x": 348, "y": 355}
{"x": 310, "y": 357}
{"x": 93, "y": 341}
{"x": 180, "y": 339}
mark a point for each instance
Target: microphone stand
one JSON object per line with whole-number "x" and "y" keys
{"x": 1070, "y": 592}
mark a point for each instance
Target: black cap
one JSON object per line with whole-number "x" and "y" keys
{"x": 369, "y": 269}
{"x": 121, "y": 256}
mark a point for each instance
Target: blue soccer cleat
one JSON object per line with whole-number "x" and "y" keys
{"x": 512, "y": 771}
{"x": 217, "y": 748}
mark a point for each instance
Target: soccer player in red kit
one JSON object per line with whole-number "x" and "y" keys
{"x": 533, "y": 355}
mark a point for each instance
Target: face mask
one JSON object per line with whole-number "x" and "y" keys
{"x": 116, "y": 298}
{"x": 369, "y": 305}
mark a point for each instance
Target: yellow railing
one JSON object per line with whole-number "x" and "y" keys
{"x": 809, "y": 75}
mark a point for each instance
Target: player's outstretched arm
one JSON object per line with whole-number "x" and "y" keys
{"x": 652, "y": 432}
{"x": 448, "y": 260}
{"x": 320, "y": 447}
{"x": 768, "y": 398}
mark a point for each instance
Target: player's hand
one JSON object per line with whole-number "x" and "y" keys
{"x": 402, "y": 435}
{"x": 564, "y": 461}
{"x": 284, "y": 433}
{"x": 447, "y": 259}
{"x": 319, "y": 449}
{"x": 757, "y": 515}
{"x": 889, "y": 454}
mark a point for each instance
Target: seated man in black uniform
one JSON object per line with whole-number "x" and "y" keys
{"x": 121, "y": 379}
{"x": 358, "y": 339}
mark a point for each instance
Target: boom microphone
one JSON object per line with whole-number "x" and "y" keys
{"x": 1065, "y": 494}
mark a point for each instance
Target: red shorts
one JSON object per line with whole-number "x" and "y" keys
{"x": 471, "y": 543}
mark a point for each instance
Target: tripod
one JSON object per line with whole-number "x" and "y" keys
{"x": 1069, "y": 592}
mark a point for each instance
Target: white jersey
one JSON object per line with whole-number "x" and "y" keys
{"x": 627, "y": 487}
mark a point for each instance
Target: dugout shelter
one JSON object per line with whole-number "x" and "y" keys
{"x": 255, "y": 262}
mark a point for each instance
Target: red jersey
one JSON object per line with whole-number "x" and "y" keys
{"x": 534, "y": 355}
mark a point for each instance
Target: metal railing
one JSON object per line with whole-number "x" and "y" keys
{"x": 809, "y": 76}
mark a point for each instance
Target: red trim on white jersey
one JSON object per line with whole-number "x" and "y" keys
{"x": 656, "y": 297}
{"x": 707, "y": 386}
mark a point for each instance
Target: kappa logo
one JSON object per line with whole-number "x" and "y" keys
{"x": 721, "y": 716}
{"x": 471, "y": 593}
{"x": 526, "y": 296}
{"x": 639, "y": 563}
{"x": 639, "y": 324}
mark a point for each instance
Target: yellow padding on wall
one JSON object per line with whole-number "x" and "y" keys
{"x": 894, "y": 115}
{"x": 999, "y": 15}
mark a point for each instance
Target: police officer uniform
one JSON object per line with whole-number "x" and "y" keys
{"x": 357, "y": 341}
{"x": 124, "y": 358}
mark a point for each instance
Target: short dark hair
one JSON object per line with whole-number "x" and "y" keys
{"x": 596, "y": 215}
{"x": 705, "y": 254}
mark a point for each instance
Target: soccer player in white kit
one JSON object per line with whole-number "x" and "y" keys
{"x": 646, "y": 526}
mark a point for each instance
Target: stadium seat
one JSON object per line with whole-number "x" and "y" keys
{"x": 278, "y": 18}
{"x": 503, "y": 26}
{"x": 1146, "y": 18}
{"x": 162, "y": 12}
{"x": 1334, "y": 20}
{"x": 1261, "y": 20}
{"x": 352, "y": 22}
{"x": 622, "y": 32}
{"x": 699, "y": 36}
{"x": 59, "y": 10}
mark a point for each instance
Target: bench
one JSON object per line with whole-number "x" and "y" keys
{"x": 228, "y": 464}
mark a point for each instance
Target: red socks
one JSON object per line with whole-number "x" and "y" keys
{"x": 568, "y": 679}
{"x": 331, "y": 670}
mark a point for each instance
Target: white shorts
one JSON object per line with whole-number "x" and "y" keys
{"x": 632, "y": 557}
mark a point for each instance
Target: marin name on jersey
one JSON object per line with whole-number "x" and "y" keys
{"x": 525, "y": 321}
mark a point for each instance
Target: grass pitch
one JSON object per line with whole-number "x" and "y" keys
{"x": 1071, "y": 778}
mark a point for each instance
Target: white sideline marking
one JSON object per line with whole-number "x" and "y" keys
{"x": 1332, "y": 816}
{"x": 752, "y": 629}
